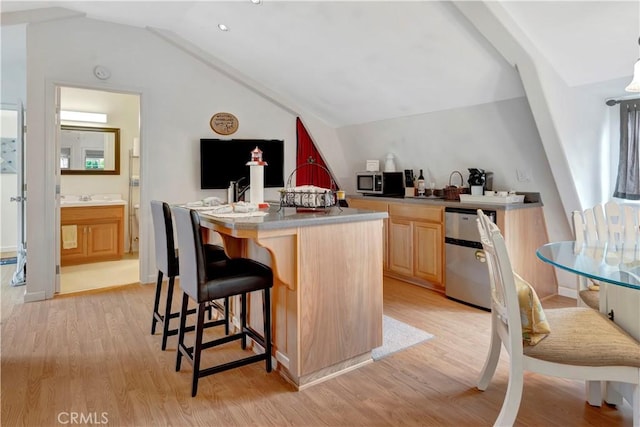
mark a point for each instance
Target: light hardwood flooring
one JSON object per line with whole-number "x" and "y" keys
{"x": 92, "y": 354}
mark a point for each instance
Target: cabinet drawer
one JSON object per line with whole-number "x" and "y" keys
{"x": 416, "y": 212}
{"x": 90, "y": 213}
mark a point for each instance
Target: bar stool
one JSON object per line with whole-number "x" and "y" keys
{"x": 223, "y": 279}
{"x": 167, "y": 264}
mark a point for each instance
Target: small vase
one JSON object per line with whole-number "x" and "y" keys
{"x": 390, "y": 164}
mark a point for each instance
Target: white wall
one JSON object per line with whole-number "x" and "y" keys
{"x": 179, "y": 95}
{"x": 500, "y": 137}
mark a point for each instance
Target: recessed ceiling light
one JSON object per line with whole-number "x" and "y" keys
{"x": 256, "y": 1}
{"x": 223, "y": 27}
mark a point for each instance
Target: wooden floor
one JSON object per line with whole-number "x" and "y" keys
{"x": 92, "y": 354}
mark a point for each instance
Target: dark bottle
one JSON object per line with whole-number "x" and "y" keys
{"x": 421, "y": 186}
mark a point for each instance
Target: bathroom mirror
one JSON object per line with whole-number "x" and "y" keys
{"x": 88, "y": 150}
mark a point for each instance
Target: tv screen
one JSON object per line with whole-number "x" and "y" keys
{"x": 224, "y": 160}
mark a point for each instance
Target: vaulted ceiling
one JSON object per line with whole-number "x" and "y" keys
{"x": 351, "y": 62}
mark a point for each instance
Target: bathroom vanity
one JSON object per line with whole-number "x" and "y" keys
{"x": 91, "y": 232}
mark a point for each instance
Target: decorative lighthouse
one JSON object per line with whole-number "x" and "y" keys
{"x": 256, "y": 169}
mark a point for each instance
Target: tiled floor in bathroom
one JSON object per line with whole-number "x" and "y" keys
{"x": 84, "y": 277}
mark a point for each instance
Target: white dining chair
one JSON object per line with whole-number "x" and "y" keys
{"x": 614, "y": 221}
{"x": 581, "y": 344}
{"x": 586, "y": 232}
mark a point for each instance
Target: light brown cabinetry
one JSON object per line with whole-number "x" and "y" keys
{"x": 327, "y": 291}
{"x": 99, "y": 234}
{"x": 524, "y": 231}
{"x": 378, "y": 206}
{"x": 416, "y": 244}
{"x": 401, "y": 246}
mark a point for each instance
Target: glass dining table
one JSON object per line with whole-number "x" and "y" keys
{"x": 615, "y": 265}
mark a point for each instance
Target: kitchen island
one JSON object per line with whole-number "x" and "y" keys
{"x": 327, "y": 294}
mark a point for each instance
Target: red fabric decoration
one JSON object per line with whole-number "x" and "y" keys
{"x": 309, "y": 175}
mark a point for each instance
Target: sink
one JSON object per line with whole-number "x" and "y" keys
{"x": 71, "y": 200}
{"x": 103, "y": 202}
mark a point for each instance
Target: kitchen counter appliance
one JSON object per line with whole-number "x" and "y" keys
{"x": 380, "y": 183}
{"x": 467, "y": 274}
{"x": 480, "y": 180}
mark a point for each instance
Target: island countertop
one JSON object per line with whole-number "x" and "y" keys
{"x": 281, "y": 218}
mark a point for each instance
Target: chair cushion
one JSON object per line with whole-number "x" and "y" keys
{"x": 534, "y": 323}
{"x": 584, "y": 337}
{"x": 591, "y": 298}
{"x": 235, "y": 276}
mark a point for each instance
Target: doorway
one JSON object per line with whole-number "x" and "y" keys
{"x": 12, "y": 239}
{"x": 98, "y": 251}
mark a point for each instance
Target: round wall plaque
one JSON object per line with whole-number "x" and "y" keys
{"x": 224, "y": 123}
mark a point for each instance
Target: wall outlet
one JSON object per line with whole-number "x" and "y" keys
{"x": 523, "y": 175}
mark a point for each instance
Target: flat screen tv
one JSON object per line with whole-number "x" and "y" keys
{"x": 224, "y": 160}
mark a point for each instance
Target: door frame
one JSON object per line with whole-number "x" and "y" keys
{"x": 52, "y": 114}
{"x": 20, "y": 192}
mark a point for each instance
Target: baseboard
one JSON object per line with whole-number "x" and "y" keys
{"x": 34, "y": 296}
{"x": 9, "y": 249}
{"x": 567, "y": 292}
{"x": 282, "y": 359}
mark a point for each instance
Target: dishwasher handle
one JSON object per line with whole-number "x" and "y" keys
{"x": 461, "y": 242}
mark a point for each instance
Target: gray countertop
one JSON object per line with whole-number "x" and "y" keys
{"x": 291, "y": 218}
{"x": 456, "y": 204}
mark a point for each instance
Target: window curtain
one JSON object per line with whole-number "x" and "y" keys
{"x": 306, "y": 152}
{"x": 628, "y": 182}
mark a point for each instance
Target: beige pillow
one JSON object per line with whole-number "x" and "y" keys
{"x": 534, "y": 323}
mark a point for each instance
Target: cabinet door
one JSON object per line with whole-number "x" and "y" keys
{"x": 376, "y": 205}
{"x": 77, "y": 254}
{"x": 401, "y": 246}
{"x": 428, "y": 251}
{"x": 102, "y": 240}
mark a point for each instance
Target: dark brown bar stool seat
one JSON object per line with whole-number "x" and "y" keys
{"x": 222, "y": 279}
{"x": 168, "y": 265}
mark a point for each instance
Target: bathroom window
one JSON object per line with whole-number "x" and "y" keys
{"x": 94, "y": 159}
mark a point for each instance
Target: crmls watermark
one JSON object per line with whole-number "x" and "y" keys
{"x": 83, "y": 418}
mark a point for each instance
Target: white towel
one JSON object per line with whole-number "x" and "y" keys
{"x": 69, "y": 236}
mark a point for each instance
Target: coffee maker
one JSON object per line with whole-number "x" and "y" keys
{"x": 479, "y": 180}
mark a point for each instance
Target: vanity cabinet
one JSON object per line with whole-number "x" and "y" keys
{"x": 99, "y": 232}
{"x": 416, "y": 244}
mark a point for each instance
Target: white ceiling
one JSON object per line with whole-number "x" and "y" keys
{"x": 351, "y": 62}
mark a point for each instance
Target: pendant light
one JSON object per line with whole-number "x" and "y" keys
{"x": 634, "y": 86}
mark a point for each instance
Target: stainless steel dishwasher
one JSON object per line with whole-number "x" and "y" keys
{"x": 467, "y": 275}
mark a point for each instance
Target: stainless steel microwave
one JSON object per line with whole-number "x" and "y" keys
{"x": 380, "y": 183}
